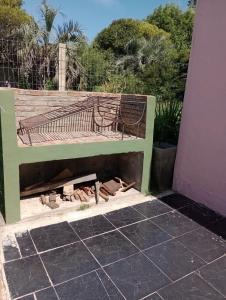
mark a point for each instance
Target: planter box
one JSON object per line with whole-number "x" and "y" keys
{"x": 163, "y": 161}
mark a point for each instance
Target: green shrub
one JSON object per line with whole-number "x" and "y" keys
{"x": 24, "y": 81}
{"x": 167, "y": 122}
{"x": 122, "y": 83}
{"x": 117, "y": 35}
{"x": 50, "y": 85}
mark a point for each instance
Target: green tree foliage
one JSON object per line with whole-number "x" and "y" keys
{"x": 159, "y": 75}
{"x": 120, "y": 32}
{"x": 70, "y": 32}
{"x": 48, "y": 16}
{"x": 93, "y": 67}
{"x": 123, "y": 82}
{"x": 12, "y": 3}
{"x": 41, "y": 41}
{"x": 12, "y": 17}
{"x": 180, "y": 26}
{"x": 152, "y": 61}
{"x": 154, "y": 52}
{"x": 175, "y": 21}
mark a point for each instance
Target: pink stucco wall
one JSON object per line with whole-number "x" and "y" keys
{"x": 200, "y": 171}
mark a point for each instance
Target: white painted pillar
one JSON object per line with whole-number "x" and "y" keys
{"x": 62, "y": 67}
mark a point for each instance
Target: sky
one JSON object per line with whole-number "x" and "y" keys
{"x": 95, "y": 15}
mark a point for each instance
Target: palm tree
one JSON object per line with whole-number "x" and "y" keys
{"x": 69, "y": 32}
{"x": 41, "y": 45}
{"x": 48, "y": 16}
{"x": 142, "y": 52}
{"x": 46, "y": 31}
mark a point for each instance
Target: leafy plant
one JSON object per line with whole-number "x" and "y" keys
{"x": 24, "y": 82}
{"x": 97, "y": 65}
{"x": 122, "y": 83}
{"x": 50, "y": 85}
{"x": 167, "y": 122}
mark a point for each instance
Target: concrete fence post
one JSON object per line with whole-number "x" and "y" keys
{"x": 62, "y": 67}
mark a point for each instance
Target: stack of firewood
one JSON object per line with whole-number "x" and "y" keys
{"x": 75, "y": 188}
{"x": 82, "y": 194}
{"x": 109, "y": 188}
{"x": 50, "y": 200}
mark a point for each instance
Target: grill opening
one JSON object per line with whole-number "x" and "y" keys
{"x": 110, "y": 117}
{"x": 127, "y": 166}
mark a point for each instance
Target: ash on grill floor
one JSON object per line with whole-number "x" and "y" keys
{"x": 167, "y": 249}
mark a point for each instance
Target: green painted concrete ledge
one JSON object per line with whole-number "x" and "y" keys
{"x": 13, "y": 156}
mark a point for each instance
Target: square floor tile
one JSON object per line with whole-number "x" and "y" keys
{"x": 174, "y": 259}
{"x": 204, "y": 243}
{"x": 10, "y": 251}
{"x": 29, "y": 297}
{"x": 136, "y": 276}
{"x": 87, "y": 287}
{"x": 176, "y": 200}
{"x": 68, "y": 262}
{"x": 110, "y": 247}
{"x": 152, "y": 208}
{"x": 47, "y": 294}
{"x": 175, "y": 223}
{"x": 145, "y": 234}
{"x": 52, "y": 236}
{"x": 111, "y": 289}
{"x": 191, "y": 287}
{"x": 124, "y": 216}
{"x": 92, "y": 226}
{"x": 25, "y": 243}
{"x": 219, "y": 228}
{"x": 201, "y": 214}
{"x": 153, "y": 297}
{"x": 25, "y": 276}
{"x": 215, "y": 273}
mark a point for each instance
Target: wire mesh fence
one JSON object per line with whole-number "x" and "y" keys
{"x": 88, "y": 69}
{"x": 32, "y": 65}
{"x": 28, "y": 66}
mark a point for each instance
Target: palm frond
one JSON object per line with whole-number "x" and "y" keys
{"x": 48, "y": 15}
{"x": 70, "y": 32}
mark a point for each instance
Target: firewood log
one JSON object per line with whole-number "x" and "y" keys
{"x": 106, "y": 198}
{"x": 128, "y": 187}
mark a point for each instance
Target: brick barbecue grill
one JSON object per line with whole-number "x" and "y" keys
{"x": 43, "y": 133}
{"x": 112, "y": 117}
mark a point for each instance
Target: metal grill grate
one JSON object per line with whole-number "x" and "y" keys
{"x": 106, "y": 116}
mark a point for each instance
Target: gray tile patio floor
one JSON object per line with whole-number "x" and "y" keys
{"x": 169, "y": 248}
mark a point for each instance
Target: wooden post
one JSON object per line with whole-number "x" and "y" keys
{"x": 62, "y": 67}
